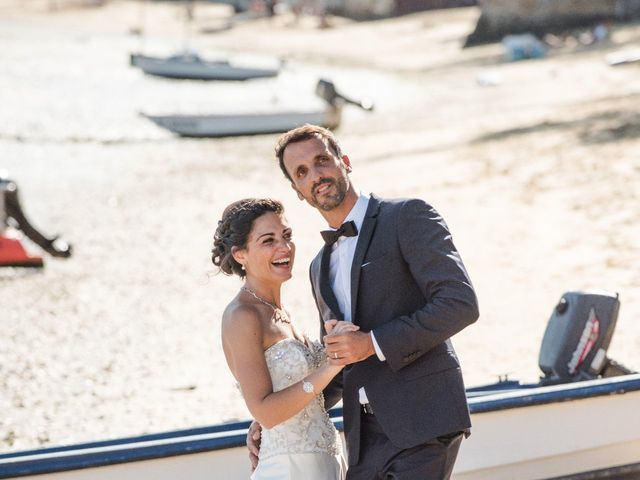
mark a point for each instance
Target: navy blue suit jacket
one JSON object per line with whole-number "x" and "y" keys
{"x": 409, "y": 286}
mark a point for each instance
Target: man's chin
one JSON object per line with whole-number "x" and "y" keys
{"x": 328, "y": 205}
{"x": 328, "y": 208}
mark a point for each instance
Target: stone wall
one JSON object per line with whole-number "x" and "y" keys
{"x": 504, "y": 17}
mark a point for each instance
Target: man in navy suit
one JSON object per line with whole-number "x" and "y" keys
{"x": 389, "y": 266}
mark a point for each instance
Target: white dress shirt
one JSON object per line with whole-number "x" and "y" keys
{"x": 340, "y": 270}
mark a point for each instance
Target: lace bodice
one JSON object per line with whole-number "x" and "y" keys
{"x": 310, "y": 430}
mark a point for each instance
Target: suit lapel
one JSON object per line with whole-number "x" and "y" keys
{"x": 364, "y": 239}
{"x": 325, "y": 285}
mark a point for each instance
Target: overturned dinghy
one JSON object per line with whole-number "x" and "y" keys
{"x": 227, "y": 125}
{"x": 190, "y": 66}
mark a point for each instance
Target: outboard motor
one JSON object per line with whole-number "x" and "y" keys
{"x": 326, "y": 90}
{"x": 575, "y": 343}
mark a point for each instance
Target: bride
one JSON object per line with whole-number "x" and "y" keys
{"x": 281, "y": 373}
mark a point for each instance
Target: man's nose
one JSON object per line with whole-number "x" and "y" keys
{"x": 316, "y": 174}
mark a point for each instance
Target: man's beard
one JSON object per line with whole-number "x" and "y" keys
{"x": 330, "y": 202}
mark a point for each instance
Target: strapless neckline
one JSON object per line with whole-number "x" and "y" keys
{"x": 292, "y": 339}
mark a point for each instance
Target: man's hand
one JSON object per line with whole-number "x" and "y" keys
{"x": 348, "y": 347}
{"x": 253, "y": 443}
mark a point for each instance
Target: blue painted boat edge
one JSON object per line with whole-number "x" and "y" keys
{"x": 75, "y": 458}
{"x": 190, "y": 432}
{"x": 554, "y": 393}
{"x": 131, "y": 449}
{"x": 230, "y": 435}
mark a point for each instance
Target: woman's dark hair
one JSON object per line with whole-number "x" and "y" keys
{"x": 234, "y": 228}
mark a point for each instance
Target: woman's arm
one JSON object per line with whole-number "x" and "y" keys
{"x": 242, "y": 337}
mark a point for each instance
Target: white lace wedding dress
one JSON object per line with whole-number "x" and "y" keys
{"x": 306, "y": 446}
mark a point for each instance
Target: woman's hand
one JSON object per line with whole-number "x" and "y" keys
{"x": 337, "y": 327}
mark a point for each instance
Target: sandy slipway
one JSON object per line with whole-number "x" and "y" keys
{"x": 533, "y": 164}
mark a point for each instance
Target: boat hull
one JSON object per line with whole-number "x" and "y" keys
{"x": 550, "y": 439}
{"x": 579, "y": 430}
{"x": 185, "y": 68}
{"x": 249, "y": 124}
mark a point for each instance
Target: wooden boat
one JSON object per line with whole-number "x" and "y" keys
{"x": 191, "y": 67}
{"x": 225, "y": 125}
{"x": 559, "y": 428}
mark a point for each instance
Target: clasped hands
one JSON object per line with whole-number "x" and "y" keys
{"x": 345, "y": 344}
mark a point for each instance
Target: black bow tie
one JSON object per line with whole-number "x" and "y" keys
{"x": 347, "y": 229}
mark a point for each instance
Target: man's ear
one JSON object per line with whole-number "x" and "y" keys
{"x": 347, "y": 163}
{"x": 297, "y": 191}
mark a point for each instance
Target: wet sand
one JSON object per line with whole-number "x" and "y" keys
{"x": 534, "y": 165}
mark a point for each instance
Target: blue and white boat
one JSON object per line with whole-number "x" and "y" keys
{"x": 565, "y": 427}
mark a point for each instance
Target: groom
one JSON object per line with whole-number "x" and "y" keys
{"x": 389, "y": 266}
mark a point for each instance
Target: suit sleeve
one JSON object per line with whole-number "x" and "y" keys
{"x": 436, "y": 267}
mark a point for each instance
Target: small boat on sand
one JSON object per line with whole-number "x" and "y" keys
{"x": 226, "y": 125}
{"x": 579, "y": 422}
{"x": 190, "y": 66}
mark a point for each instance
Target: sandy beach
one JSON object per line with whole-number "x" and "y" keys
{"x": 535, "y": 165}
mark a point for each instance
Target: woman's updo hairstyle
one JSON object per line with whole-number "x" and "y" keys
{"x": 234, "y": 228}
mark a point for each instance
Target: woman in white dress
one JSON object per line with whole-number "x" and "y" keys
{"x": 281, "y": 373}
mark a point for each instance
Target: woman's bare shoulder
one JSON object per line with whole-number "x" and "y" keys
{"x": 240, "y": 317}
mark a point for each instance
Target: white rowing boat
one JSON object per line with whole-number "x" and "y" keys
{"x": 191, "y": 67}
{"x": 247, "y": 124}
{"x": 224, "y": 125}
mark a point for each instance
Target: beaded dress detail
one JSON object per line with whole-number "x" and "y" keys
{"x": 310, "y": 430}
